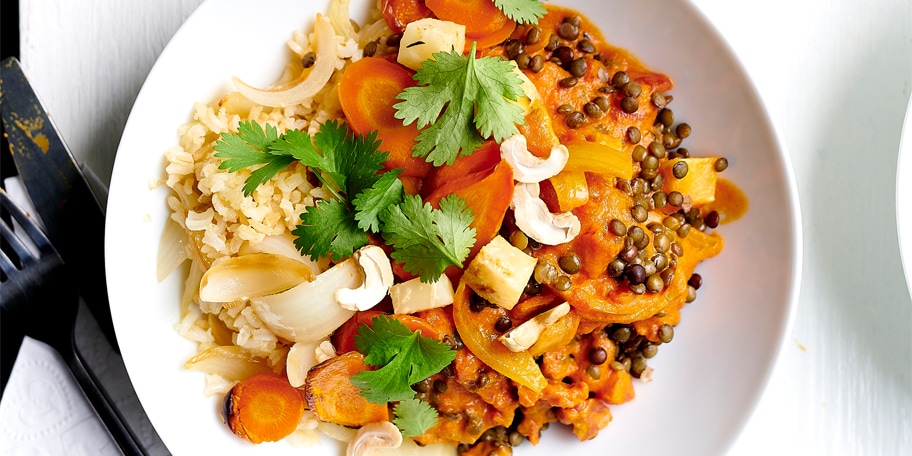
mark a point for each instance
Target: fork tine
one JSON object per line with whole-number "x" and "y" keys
{"x": 35, "y": 234}
{"x": 6, "y": 264}
{"x": 25, "y": 257}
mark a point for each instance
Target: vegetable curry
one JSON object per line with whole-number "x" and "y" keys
{"x": 540, "y": 204}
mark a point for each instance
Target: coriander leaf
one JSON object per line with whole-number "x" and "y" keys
{"x": 496, "y": 117}
{"x": 256, "y": 135}
{"x": 461, "y": 100}
{"x": 522, "y": 11}
{"x": 427, "y": 240}
{"x": 414, "y": 417}
{"x": 238, "y": 153}
{"x": 452, "y": 221}
{"x": 372, "y": 202}
{"x": 402, "y": 356}
{"x": 250, "y": 146}
{"x": 364, "y": 161}
{"x": 331, "y": 141}
{"x": 328, "y": 228}
{"x": 299, "y": 145}
{"x": 262, "y": 174}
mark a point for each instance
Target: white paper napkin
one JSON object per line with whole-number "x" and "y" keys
{"x": 43, "y": 410}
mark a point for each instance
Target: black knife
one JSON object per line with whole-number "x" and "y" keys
{"x": 72, "y": 215}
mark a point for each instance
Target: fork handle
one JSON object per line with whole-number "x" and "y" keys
{"x": 114, "y": 422}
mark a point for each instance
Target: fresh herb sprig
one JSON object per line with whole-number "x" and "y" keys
{"x": 403, "y": 358}
{"x": 426, "y": 240}
{"x": 462, "y": 100}
{"x": 522, "y": 11}
{"x": 365, "y": 200}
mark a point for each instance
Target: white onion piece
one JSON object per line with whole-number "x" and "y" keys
{"x": 172, "y": 249}
{"x": 301, "y": 357}
{"x": 341, "y": 20}
{"x": 281, "y": 244}
{"x": 230, "y": 362}
{"x": 309, "y": 311}
{"x": 243, "y": 277}
{"x": 309, "y": 83}
{"x": 336, "y": 431}
{"x": 372, "y": 32}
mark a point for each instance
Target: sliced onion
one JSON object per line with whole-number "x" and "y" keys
{"x": 309, "y": 311}
{"x": 172, "y": 249}
{"x": 336, "y": 431}
{"x": 230, "y": 362}
{"x": 282, "y": 244}
{"x": 309, "y": 83}
{"x": 191, "y": 287}
{"x": 301, "y": 357}
{"x": 341, "y": 19}
{"x": 246, "y": 276}
{"x": 372, "y": 32}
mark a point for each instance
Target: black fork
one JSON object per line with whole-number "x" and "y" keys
{"x": 42, "y": 298}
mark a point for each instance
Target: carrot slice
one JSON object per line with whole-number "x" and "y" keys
{"x": 263, "y": 408}
{"x": 332, "y": 397}
{"x": 490, "y": 39}
{"x": 367, "y": 93}
{"x": 344, "y": 337}
{"x": 398, "y": 13}
{"x": 488, "y": 193}
{"x": 485, "y": 23}
{"x": 484, "y": 159}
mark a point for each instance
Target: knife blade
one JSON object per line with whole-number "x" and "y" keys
{"x": 72, "y": 215}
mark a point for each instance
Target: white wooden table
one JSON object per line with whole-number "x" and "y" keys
{"x": 836, "y": 76}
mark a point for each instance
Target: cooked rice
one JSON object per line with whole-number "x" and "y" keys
{"x": 210, "y": 205}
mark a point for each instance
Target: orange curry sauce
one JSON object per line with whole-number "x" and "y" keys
{"x": 484, "y": 410}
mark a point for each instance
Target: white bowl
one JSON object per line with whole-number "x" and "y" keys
{"x": 904, "y": 196}
{"x": 706, "y": 383}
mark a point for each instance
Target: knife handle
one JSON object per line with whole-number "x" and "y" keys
{"x": 114, "y": 422}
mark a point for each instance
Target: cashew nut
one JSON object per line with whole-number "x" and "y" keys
{"x": 539, "y": 223}
{"x": 528, "y": 168}
{"x": 374, "y": 435}
{"x": 525, "y": 335}
{"x": 377, "y": 277}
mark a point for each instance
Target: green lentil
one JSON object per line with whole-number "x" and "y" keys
{"x": 683, "y": 130}
{"x": 633, "y": 133}
{"x": 629, "y": 105}
{"x": 575, "y": 119}
{"x": 666, "y": 333}
{"x": 617, "y": 227}
{"x": 534, "y": 35}
{"x": 619, "y": 79}
{"x": 563, "y": 283}
{"x": 586, "y": 46}
{"x": 309, "y": 59}
{"x": 679, "y": 170}
{"x": 570, "y": 263}
{"x": 658, "y": 100}
{"x": 639, "y": 153}
{"x": 721, "y": 164}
